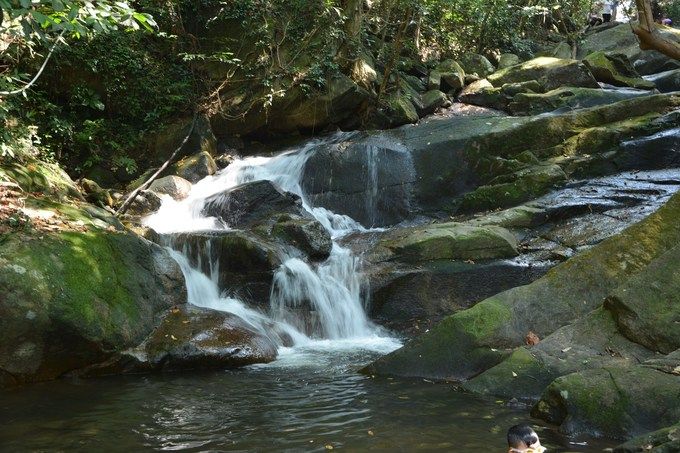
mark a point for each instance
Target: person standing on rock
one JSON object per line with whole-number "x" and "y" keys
{"x": 606, "y": 11}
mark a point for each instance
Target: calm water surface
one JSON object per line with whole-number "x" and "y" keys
{"x": 311, "y": 399}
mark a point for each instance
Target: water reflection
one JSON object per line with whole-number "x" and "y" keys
{"x": 308, "y": 401}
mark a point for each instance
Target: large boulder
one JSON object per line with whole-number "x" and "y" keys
{"x": 664, "y": 440}
{"x": 590, "y": 343}
{"x": 414, "y": 299}
{"x": 615, "y": 69}
{"x": 447, "y": 76}
{"x": 174, "y": 186}
{"x": 190, "y": 338}
{"x": 71, "y": 299}
{"x": 477, "y": 64}
{"x": 400, "y": 110}
{"x": 432, "y": 100}
{"x": 474, "y": 340}
{"x": 243, "y": 262}
{"x": 567, "y": 98}
{"x": 450, "y": 241}
{"x": 667, "y": 81}
{"x": 251, "y": 203}
{"x": 33, "y": 175}
{"x": 307, "y": 235}
{"x": 617, "y": 402}
{"x": 195, "y": 167}
{"x": 507, "y": 59}
{"x": 369, "y": 179}
{"x": 336, "y": 104}
{"x": 621, "y": 39}
{"x": 146, "y": 202}
{"x": 453, "y": 156}
{"x": 550, "y": 72}
{"x": 647, "y": 307}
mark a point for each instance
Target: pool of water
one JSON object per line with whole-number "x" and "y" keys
{"x": 311, "y": 399}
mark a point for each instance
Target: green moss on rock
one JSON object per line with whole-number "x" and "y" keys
{"x": 565, "y": 294}
{"x": 612, "y": 402}
{"x": 550, "y": 72}
{"x": 616, "y": 70}
{"x": 448, "y": 241}
{"x": 523, "y": 185}
{"x": 70, "y": 298}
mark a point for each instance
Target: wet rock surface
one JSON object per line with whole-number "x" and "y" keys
{"x": 411, "y": 289}
{"x": 251, "y": 203}
{"x": 368, "y": 179}
{"x": 192, "y": 338}
{"x": 598, "y": 323}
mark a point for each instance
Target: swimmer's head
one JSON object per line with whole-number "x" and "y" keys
{"x": 523, "y": 438}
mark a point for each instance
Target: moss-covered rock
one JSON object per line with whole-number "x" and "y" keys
{"x": 647, "y": 307}
{"x": 522, "y": 185}
{"x": 431, "y": 101}
{"x": 507, "y": 59}
{"x": 195, "y": 167}
{"x": 477, "y": 64}
{"x": 483, "y": 95}
{"x": 450, "y": 74}
{"x": 401, "y": 111}
{"x": 565, "y": 294}
{"x": 450, "y": 154}
{"x": 616, "y": 70}
{"x": 307, "y": 235}
{"x": 664, "y": 440}
{"x": 567, "y": 98}
{"x": 95, "y": 194}
{"x": 71, "y": 299}
{"x": 33, "y": 175}
{"x": 550, "y": 72}
{"x": 450, "y": 241}
{"x": 621, "y": 39}
{"x": 590, "y": 343}
{"x": 612, "y": 401}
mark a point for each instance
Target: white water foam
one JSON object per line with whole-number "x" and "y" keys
{"x": 331, "y": 291}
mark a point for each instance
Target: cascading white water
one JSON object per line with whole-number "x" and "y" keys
{"x": 331, "y": 291}
{"x": 372, "y": 194}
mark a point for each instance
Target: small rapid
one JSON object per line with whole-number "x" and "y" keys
{"x": 310, "y": 303}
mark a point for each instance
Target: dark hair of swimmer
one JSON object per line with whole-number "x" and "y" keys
{"x": 521, "y": 437}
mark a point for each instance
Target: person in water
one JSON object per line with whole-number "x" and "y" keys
{"x": 523, "y": 439}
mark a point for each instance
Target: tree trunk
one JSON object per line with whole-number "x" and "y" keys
{"x": 646, "y": 31}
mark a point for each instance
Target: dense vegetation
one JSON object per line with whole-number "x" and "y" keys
{"x": 116, "y": 74}
{"x": 119, "y": 70}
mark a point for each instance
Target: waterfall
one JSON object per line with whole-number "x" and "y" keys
{"x": 331, "y": 292}
{"x": 372, "y": 195}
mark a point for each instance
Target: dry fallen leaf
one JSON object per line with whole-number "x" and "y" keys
{"x": 531, "y": 339}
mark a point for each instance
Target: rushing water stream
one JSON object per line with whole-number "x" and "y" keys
{"x": 311, "y": 399}
{"x": 332, "y": 288}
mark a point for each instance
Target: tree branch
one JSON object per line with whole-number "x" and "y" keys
{"x": 646, "y": 31}
{"x": 126, "y": 204}
{"x": 40, "y": 71}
